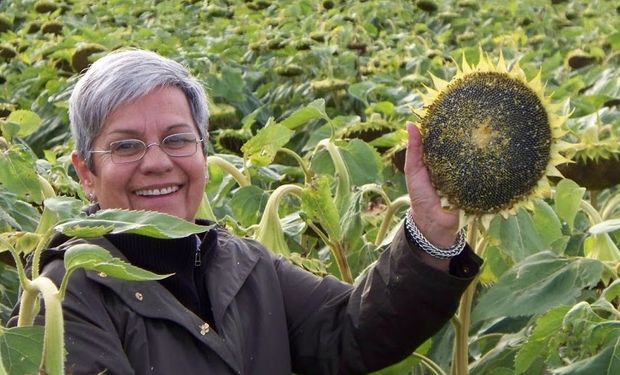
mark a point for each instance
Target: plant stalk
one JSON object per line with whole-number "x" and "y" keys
{"x": 53, "y": 360}
{"x": 343, "y": 188}
{"x": 387, "y": 219}
{"x": 302, "y": 164}
{"x": 341, "y": 260}
{"x": 460, "y": 365}
{"x": 227, "y": 166}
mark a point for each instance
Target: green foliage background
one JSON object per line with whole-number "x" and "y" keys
{"x": 293, "y": 73}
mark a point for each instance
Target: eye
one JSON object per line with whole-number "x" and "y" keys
{"x": 126, "y": 147}
{"x": 180, "y": 140}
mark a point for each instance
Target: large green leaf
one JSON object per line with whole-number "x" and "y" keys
{"x": 147, "y": 223}
{"x": 607, "y": 362}
{"x": 95, "y": 258}
{"x": 538, "y": 283}
{"x": 22, "y": 348}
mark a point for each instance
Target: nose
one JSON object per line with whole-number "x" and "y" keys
{"x": 155, "y": 161}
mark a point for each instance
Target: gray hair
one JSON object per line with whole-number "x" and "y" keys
{"x": 121, "y": 77}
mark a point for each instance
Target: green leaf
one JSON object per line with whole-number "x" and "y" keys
{"x": 247, "y": 203}
{"x": 612, "y": 291}
{"x": 363, "y": 162}
{"x": 28, "y": 121}
{"x": 568, "y": 197}
{"x": 17, "y": 174}
{"x": 537, "y": 344}
{"x": 261, "y": 149}
{"x": 601, "y": 247}
{"x": 313, "y": 111}
{"x": 17, "y": 213}
{"x": 22, "y": 349}
{"x": 95, "y": 258}
{"x": 549, "y": 226}
{"x": 319, "y": 206}
{"x": 607, "y": 362}
{"x": 147, "y": 223}
{"x": 517, "y": 236}
{"x": 540, "y": 282}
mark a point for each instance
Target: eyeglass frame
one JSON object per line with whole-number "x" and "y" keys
{"x": 146, "y": 148}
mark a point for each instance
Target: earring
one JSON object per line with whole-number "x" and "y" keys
{"x": 91, "y": 197}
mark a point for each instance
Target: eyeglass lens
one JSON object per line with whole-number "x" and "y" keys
{"x": 128, "y": 150}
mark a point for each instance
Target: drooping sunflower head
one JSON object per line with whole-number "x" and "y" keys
{"x": 490, "y": 138}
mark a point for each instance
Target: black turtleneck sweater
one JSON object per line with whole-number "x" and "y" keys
{"x": 185, "y": 257}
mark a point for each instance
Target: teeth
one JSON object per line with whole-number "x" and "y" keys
{"x": 154, "y": 192}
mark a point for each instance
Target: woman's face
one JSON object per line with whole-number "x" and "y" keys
{"x": 157, "y": 182}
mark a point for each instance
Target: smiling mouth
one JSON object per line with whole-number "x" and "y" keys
{"x": 157, "y": 192}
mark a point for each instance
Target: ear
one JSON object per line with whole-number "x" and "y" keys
{"x": 86, "y": 176}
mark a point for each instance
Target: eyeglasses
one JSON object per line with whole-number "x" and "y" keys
{"x": 132, "y": 150}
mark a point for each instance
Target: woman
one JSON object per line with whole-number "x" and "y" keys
{"x": 232, "y": 307}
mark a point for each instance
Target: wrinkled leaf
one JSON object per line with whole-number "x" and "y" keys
{"x": 147, "y": 223}
{"x": 537, "y": 344}
{"x": 18, "y": 175}
{"x": 261, "y": 149}
{"x": 607, "y": 362}
{"x": 319, "y": 206}
{"x": 538, "y": 283}
{"x": 95, "y": 258}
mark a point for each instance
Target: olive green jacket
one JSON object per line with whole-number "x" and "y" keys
{"x": 272, "y": 317}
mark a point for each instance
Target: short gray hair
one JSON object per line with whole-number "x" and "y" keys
{"x": 121, "y": 77}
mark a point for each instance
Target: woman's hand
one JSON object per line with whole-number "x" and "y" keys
{"x": 437, "y": 224}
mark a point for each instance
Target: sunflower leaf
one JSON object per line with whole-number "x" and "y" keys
{"x": 147, "y": 223}
{"x": 537, "y": 284}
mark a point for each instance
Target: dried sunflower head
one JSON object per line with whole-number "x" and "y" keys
{"x": 490, "y": 139}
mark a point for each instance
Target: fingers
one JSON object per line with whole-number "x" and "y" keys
{"x": 436, "y": 223}
{"x": 419, "y": 185}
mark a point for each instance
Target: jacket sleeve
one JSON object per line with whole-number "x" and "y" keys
{"x": 91, "y": 339}
{"x": 338, "y": 329}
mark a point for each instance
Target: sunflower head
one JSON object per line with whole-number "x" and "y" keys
{"x": 490, "y": 138}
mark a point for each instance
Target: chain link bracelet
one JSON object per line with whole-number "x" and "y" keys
{"x": 414, "y": 234}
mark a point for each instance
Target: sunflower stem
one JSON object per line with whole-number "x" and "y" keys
{"x": 461, "y": 349}
{"x": 227, "y": 166}
{"x": 387, "y": 219}
{"x": 610, "y": 206}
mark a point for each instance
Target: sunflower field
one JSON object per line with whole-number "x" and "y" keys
{"x": 309, "y": 101}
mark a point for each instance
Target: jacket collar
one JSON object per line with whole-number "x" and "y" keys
{"x": 228, "y": 266}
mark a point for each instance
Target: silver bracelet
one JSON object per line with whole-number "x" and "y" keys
{"x": 416, "y": 236}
